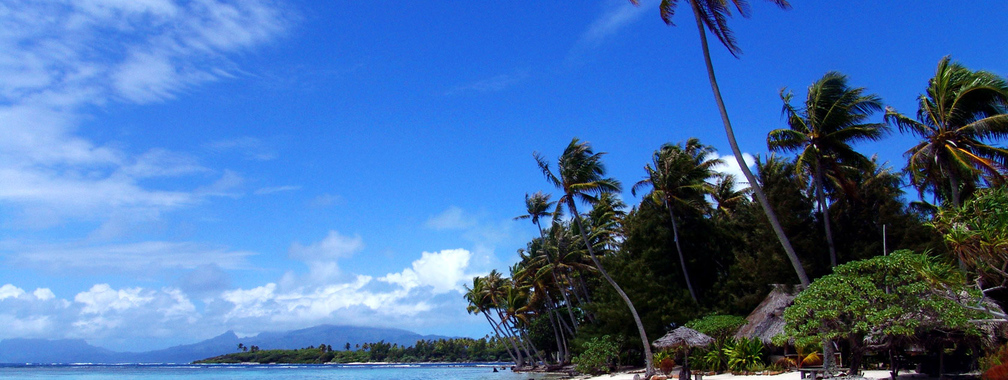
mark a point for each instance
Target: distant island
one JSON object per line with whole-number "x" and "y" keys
{"x": 453, "y": 350}
{"x": 43, "y": 351}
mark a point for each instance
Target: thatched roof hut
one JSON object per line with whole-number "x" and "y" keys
{"x": 683, "y": 336}
{"x": 767, "y": 320}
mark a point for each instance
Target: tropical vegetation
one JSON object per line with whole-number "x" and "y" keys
{"x": 488, "y": 349}
{"x": 700, "y": 250}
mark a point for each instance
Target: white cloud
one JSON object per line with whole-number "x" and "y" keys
{"x": 731, "y": 166}
{"x": 101, "y": 298}
{"x": 10, "y": 291}
{"x": 443, "y": 271}
{"x": 250, "y": 148}
{"x": 44, "y": 294}
{"x": 62, "y": 58}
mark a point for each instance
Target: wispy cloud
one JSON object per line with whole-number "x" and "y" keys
{"x": 617, "y": 16}
{"x": 249, "y": 147}
{"x": 61, "y": 58}
{"x": 494, "y": 84}
{"x": 275, "y": 189}
{"x": 144, "y": 257}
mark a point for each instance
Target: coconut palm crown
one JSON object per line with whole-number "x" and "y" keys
{"x": 833, "y": 116}
{"x": 958, "y": 115}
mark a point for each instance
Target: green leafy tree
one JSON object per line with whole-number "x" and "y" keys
{"x": 714, "y": 14}
{"x": 961, "y": 113}
{"x": 889, "y": 298}
{"x": 598, "y": 356}
{"x": 833, "y": 116}
{"x": 977, "y": 234}
{"x": 581, "y": 177}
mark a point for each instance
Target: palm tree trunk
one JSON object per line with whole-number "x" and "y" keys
{"x": 496, "y": 331}
{"x": 824, "y": 210}
{"x": 633, "y": 311}
{"x": 682, "y": 260}
{"x": 760, "y": 196}
{"x": 556, "y": 333}
{"x": 510, "y": 336}
{"x": 563, "y": 291}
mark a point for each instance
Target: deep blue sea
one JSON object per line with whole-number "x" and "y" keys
{"x": 264, "y": 372}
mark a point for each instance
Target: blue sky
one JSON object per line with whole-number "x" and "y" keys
{"x": 170, "y": 170}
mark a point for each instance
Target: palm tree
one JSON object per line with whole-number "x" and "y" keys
{"x": 537, "y": 206}
{"x": 960, "y": 112}
{"x": 481, "y": 302}
{"x": 822, "y": 131}
{"x": 714, "y": 15}
{"x": 726, "y": 196}
{"x": 581, "y": 177}
{"x": 679, "y": 179}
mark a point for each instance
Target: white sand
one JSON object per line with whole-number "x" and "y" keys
{"x": 874, "y": 374}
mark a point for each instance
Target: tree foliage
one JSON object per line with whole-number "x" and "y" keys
{"x": 881, "y": 302}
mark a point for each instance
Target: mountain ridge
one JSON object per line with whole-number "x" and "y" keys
{"x": 45, "y": 351}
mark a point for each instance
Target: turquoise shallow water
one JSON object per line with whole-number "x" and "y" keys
{"x": 263, "y": 372}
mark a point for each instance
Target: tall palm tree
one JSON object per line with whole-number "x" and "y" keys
{"x": 821, "y": 131}
{"x": 714, "y": 14}
{"x": 679, "y": 179}
{"x": 961, "y": 112}
{"x": 581, "y": 177}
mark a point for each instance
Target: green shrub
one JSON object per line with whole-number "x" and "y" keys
{"x": 744, "y": 354}
{"x": 598, "y": 356}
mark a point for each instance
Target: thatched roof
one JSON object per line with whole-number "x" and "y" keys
{"x": 683, "y": 336}
{"x": 767, "y": 320}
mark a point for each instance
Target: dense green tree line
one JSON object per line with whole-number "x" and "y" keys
{"x": 700, "y": 242}
{"x": 442, "y": 350}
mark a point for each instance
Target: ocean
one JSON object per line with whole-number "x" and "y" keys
{"x": 267, "y": 371}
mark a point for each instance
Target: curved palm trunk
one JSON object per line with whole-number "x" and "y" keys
{"x": 506, "y": 332}
{"x": 633, "y": 311}
{"x": 496, "y": 331}
{"x": 682, "y": 260}
{"x": 824, "y": 209}
{"x": 760, "y": 196}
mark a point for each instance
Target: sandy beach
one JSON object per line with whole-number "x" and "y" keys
{"x": 874, "y": 375}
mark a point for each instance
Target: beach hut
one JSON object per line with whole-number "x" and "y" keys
{"x": 683, "y": 337}
{"x": 767, "y": 320}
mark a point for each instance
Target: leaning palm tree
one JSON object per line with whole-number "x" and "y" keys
{"x": 480, "y": 302}
{"x": 581, "y": 177}
{"x": 961, "y": 112}
{"x": 821, "y": 131}
{"x": 713, "y": 14}
{"x": 679, "y": 179}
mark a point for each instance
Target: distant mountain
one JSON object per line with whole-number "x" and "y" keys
{"x": 53, "y": 351}
{"x": 79, "y": 351}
